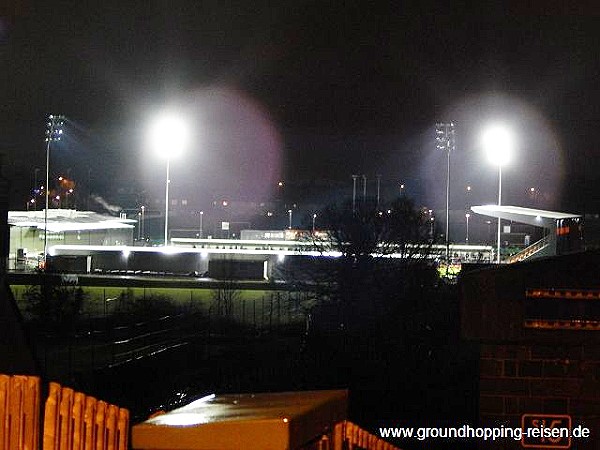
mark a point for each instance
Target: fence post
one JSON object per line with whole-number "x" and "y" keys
{"x": 100, "y": 423}
{"x": 78, "y": 416}
{"x": 51, "y": 418}
{"x": 123, "y": 429}
{"x": 65, "y": 411}
{"x": 31, "y": 412}
{"x": 338, "y": 436}
{"x": 89, "y": 437}
{"x": 111, "y": 427}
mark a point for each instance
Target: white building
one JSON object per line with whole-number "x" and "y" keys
{"x": 64, "y": 227}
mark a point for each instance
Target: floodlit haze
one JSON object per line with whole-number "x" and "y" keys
{"x": 300, "y": 90}
{"x": 234, "y": 153}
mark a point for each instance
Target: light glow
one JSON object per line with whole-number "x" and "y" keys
{"x": 168, "y": 250}
{"x": 169, "y": 135}
{"x": 180, "y": 419}
{"x": 201, "y": 402}
{"x": 498, "y": 143}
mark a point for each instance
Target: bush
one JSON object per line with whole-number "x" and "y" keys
{"x": 150, "y": 307}
{"x": 54, "y": 306}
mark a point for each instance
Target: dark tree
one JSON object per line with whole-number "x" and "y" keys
{"x": 379, "y": 262}
{"x": 55, "y": 306}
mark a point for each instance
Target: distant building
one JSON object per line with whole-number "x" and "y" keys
{"x": 563, "y": 232}
{"x": 65, "y": 227}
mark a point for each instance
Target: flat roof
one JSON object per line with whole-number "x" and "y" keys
{"x": 263, "y": 421}
{"x": 60, "y": 220}
{"x": 495, "y": 210}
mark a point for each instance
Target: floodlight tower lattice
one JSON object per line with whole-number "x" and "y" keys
{"x": 54, "y": 132}
{"x": 445, "y": 140}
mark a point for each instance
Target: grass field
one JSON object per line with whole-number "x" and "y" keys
{"x": 260, "y": 307}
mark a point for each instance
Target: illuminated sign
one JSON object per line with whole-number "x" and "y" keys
{"x": 546, "y": 431}
{"x": 570, "y": 309}
{"x": 52, "y": 236}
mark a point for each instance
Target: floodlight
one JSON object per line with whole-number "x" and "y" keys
{"x": 498, "y": 143}
{"x": 168, "y": 135}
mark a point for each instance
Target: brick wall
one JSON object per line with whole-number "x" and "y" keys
{"x": 522, "y": 379}
{"x": 532, "y": 371}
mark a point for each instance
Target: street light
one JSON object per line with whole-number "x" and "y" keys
{"x": 498, "y": 143}
{"x": 201, "y": 217}
{"x": 314, "y": 217}
{"x": 36, "y": 186}
{"x": 354, "y": 178}
{"x": 364, "y": 178}
{"x": 467, "y": 215}
{"x": 533, "y": 194}
{"x": 468, "y": 200}
{"x": 290, "y": 218}
{"x": 431, "y": 227}
{"x": 168, "y": 137}
{"x": 142, "y": 233}
{"x": 54, "y": 131}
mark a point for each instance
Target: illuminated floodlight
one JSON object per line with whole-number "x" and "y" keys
{"x": 169, "y": 135}
{"x": 54, "y": 127}
{"x": 498, "y": 143}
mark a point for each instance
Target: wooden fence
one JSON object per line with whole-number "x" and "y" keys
{"x": 19, "y": 412}
{"x": 349, "y": 436}
{"x": 72, "y": 420}
{"x": 355, "y": 438}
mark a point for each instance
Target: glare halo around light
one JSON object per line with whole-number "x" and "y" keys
{"x": 498, "y": 143}
{"x": 168, "y": 135}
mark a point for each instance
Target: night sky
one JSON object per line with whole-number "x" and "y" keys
{"x": 300, "y": 90}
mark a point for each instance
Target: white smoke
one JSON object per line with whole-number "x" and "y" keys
{"x": 107, "y": 206}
